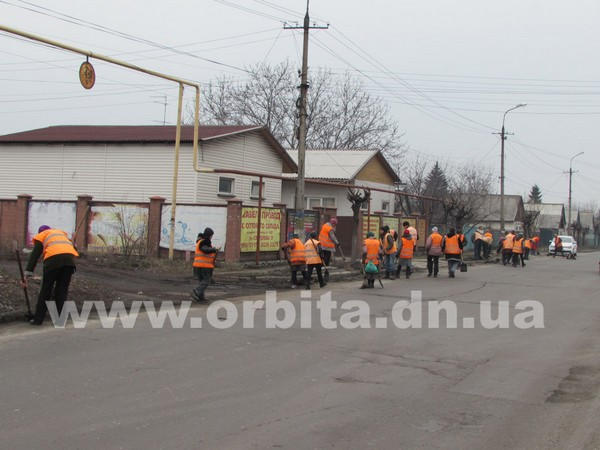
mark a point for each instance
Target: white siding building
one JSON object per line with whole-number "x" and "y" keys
{"x": 352, "y": 167}
{"x": 133, "y": 163}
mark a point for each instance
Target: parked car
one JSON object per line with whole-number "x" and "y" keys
{"x": 569, "y": 246}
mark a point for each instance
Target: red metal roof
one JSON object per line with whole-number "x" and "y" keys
{"x": 120, "y": 133}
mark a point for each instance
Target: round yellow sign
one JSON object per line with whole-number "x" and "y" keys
{"x": 87, "y": 75}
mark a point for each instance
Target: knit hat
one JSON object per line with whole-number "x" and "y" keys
{"x": 43, "y": 228}
{"x": 208, "y": 232}
{"x": 434, "y": 229}
{"x": 406, "y": 233}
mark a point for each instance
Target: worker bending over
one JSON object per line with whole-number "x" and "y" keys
{"x": 371, "y": 256}
{"x": 296, "y": 255}
{"x": 58, "y": 253}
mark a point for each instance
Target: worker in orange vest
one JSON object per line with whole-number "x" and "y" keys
{"x": 506, "y": 246}
{"x": 488, "y": 240}
{"x": 204, "y": 263}
{"x": 536, "y": 244}
{"x": 58, "y": 253}
{"x": 434, "y": 251}
{"x": 406, "y": 251}
{"x": 452, "y": 246}
{"x": 296, "y": 256}
{"x": 388, "y": 244}
{"x": 527, "y": 246}
{"x": 558, "y": 246}
{"x": 329, "y": 242}
{"x": 314, "y": 258}
{"x": 517, "y": 251}
{"x": 371, "y": 254}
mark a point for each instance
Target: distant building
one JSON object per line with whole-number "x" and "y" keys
{"x": 586, "y": 236}
{"x": 351, "y": 167}
{"x": 551, "y": 219}
{"x": 488, "y": 216}
{"x": 132, "y": 163}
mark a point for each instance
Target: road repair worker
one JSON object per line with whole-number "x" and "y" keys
{"x": 527, "y": 246}
{"x": 371, "y": 254}
{"x": 314, "y": 258}
{"x": 477, "y": 243}
{"x": 558, "y": 246}
{"x": 434, "y": 251}
{"x": 329, "y": 242}
{"x": 204, "y": 263}
{"x": 506, "y": 246}
{"x": 536, "y": 244}
{"x": 406, "y": 251}
{"x": 488, "y": 240}
{"x": 296, "y": 256}
{"x": 388, "y": 244}
{"x": 58, "y": 253}
{"x": 517, "y": 251}
{"x": 452, "y": 246}
{"x": 412, "y": 230}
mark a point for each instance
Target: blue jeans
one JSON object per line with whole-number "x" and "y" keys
{"x": 389, "y": 263}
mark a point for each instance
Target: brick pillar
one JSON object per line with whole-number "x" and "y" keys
{"x": 234, "y": 231}
{"x": 283, "y": 225}
{"x": 21, "y": 220}
{"x": 154, "y": 224}
{"x": 82, "y": 221}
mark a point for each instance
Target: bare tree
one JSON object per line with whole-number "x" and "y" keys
{"x": 414, "y": 176}
{"x": 357, "y": 199}
{"x": 341, "y": 113}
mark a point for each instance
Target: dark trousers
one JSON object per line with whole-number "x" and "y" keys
{"x": 295, "y": 270}
{"x": 477, "y": 249}
{"x": 486, "y": 250}
{"x": 506, "y": 256}
{"x": 516, "y": 258}
{"x": 326, "y": 257}
{"x": 556, "y": 250}
{"x": 526, "y": 256}
{"x": 55, "y": 282}
{"x": 204, "y": 276}
{"x": 316, "y": 267}
{"x": 433, "y": 264}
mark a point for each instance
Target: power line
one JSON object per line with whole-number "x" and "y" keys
{"x": 87, "y": 24}
{"x": 250, "y": 10}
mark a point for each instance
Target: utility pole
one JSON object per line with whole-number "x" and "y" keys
{"x": 503, "y": 135}
{"x": 164, "y": 103}
{"x": 302, "y": 115}
{"x": 569, "y": 223}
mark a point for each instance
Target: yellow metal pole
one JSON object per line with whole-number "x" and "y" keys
{"x": 175, "y": 174}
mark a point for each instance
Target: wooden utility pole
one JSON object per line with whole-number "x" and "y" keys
{"x": 569, "y": 223}
{"x": 302, "y": 115}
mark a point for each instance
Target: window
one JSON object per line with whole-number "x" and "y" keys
{"x": 329, "y": 202}
{"x": 385, "y": 206}
{"x": 317, "y": 202}
{"x": 254, "y": 190}
{"x": 226, "y": 186}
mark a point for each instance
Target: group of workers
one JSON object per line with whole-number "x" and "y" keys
{"x": 389, "y": 254}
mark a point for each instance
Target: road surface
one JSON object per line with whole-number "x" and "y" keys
{"x": 297, "y": 388}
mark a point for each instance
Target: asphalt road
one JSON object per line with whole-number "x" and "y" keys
{"x": 260, "y": 388}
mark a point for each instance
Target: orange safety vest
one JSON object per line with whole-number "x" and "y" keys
{"x": 324, "y": 238}
{"x": 528, "y": 243}
{"x": 384, "y": 244}
{"x": 298, "y": 252}
{"x": 436, "y": 239}
{"x": 55, "y": 242}
{"x": 408, "y": 248}
{"x": 204, "y": 260}
{"x": 312, "y": 255}
{"x": 508, "y": 243}
{"x": 452, "y": 247}
{"x": 489, "y": 236}
{"x": 557, "y": 242}
{"x": 373, "y": 246}
{"x": 518, "y": 246}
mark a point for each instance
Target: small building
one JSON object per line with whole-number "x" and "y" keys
{"x": 133, "y": 163}
{"x": 488, "y": 216}
{"x": 351, "y": 167}
{"x": 586, "y": 236}
{"x": 550, "y": 220}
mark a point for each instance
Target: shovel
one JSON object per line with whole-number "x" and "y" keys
{"x": 29, "y": 315}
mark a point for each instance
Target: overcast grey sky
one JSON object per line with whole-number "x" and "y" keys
{"x": 448, "y": 70}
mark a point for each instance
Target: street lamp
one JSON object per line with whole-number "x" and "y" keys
{"x": 503, "y": 138}
{"x": 570, "y": 177}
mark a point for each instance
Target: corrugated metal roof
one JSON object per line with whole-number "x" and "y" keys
{"x": 120, "y": 133}
{"x": 551, "y": 214}
{"x": 339, "y": 165}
